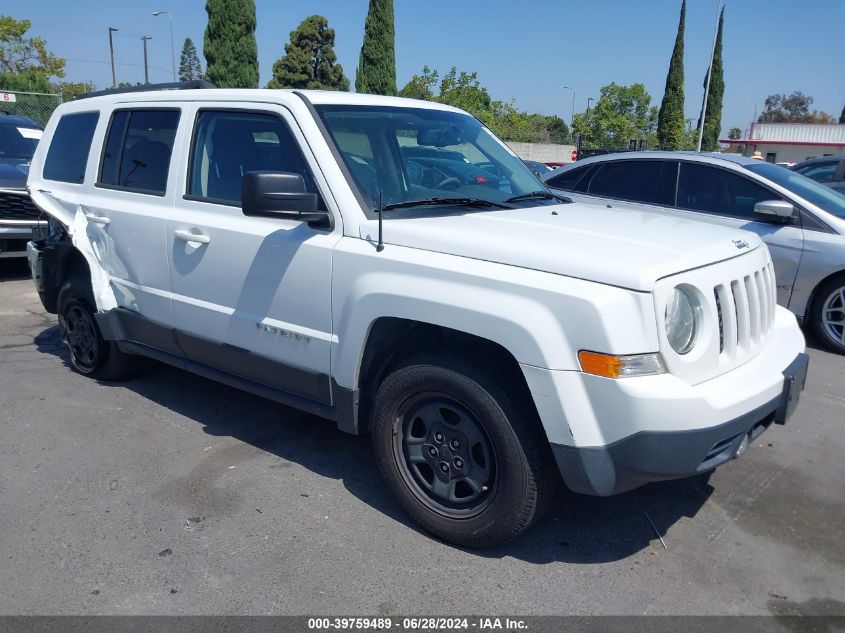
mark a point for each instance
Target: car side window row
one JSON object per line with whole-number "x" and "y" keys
{"x": 686, "y": 185}
{"x": 139, "y": 145}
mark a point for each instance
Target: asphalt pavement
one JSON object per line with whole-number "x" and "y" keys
{"x": 172, "y": 494}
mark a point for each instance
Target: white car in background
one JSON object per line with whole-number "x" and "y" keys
{"x": 801, "y": 221}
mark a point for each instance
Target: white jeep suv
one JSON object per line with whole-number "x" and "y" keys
{"x": 392, "y": 266}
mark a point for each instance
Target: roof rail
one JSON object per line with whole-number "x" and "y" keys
{"x": 196, "y": 84}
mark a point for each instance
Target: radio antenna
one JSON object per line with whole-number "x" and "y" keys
{"x": 380, "y": 246}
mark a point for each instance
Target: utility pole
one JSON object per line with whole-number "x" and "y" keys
{"x": 572, "y": 115}
{"x": 709, "y": 72}
{"x": 144, "y": 39}
{"x": 111, "y": 49}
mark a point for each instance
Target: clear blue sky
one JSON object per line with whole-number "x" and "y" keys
{"x": 522, "y": 49}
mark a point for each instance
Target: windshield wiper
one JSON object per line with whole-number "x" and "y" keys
{"x": 462, "y": 202}
{"x": 538, "y": 194}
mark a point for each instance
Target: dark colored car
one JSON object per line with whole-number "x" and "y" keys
{"x": 828, "y": 170}
{"x": 537, "y": 167}
{"x": 18, "y": 138}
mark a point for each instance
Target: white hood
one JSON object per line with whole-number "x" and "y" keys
{"x": 616, "y": 246}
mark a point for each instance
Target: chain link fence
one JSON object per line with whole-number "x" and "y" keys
{"x": 38, "y": 106}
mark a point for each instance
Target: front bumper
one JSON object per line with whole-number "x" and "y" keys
{"x": 658, "y": 456}
{"x": 14, "y": 235}
{"x": 610, "y": 436}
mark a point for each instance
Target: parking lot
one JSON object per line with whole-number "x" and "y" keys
{"x": 173, "y": 494}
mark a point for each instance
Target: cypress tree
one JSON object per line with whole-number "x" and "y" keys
{"x": 670, "y": 119}
{"x": 376, "y": 72}
{"x": 189, "y": 63}
{"x": 713, "y": 107}
{"x": 231, "y": 53}
{"x": 309, "y": 60}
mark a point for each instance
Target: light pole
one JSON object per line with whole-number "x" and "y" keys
{"x": 111, "y": 50}
{"x": 709, "y": 73}
{"x": 572, "y": 115}
{"x": 172, "y": 46}
{"x": 588, "y": 104}
{"x": 144, "y": 39}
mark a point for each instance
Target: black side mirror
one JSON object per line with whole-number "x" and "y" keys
{"x": 279, "y": 194}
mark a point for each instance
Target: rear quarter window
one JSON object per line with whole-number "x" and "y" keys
{"x": 69, "y": 147}
{"x": 568, "y": 179}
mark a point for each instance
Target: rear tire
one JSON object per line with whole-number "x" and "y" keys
{"x": 827, "y": 316}
{"x": 90, "y": 354}
{"x": 465, "y": 456}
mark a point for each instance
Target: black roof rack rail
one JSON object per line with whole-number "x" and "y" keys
{"x": 197, "y": 84}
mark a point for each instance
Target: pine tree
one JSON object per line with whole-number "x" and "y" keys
{"x": 713, "y": 108}
{"x": 190, "y": 67}
{"x": 376, "y": 72}
{"x": 842, "y": 116}
{"x": 309, "y": 60}
{"x": 670, "y": 119}
{"x": 231, "y": 53}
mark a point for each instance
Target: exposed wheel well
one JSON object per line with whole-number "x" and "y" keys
{"x": 61, "y": 261}
{"x": 392, "y": 340}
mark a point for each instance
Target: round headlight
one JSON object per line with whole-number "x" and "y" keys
{"x": 681, "y": 320}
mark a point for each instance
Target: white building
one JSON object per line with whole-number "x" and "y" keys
{"x": 791, "y": 142}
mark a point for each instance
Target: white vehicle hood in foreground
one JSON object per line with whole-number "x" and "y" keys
{"x": 615, "y": 246}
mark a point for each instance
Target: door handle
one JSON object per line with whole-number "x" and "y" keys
{"x": 187, "y": 236}
{"x": 97, "y": 219}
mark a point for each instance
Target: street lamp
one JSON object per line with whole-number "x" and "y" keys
{"x": 172, "y": 47}
{"x": 588, "y": 104}
{"x": 572, "y": 116}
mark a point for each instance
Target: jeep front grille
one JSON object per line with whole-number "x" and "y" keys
{"x": 17, "y": 206}
{"x": 745, "y": 310}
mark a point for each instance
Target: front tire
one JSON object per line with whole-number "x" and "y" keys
{"x": 828, "y": 314}
{"x": 466, "y": 458}
{"x": 90, "y": 354}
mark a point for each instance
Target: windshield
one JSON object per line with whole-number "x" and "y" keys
{"x": 823, "y": 197}
{"x": 411, "y": 154}
{"x": 18, "y": 142}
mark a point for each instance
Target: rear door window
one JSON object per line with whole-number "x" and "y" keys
{"x": 69, "y": 147}
{"x": 634, "y": 180}
{"x": 137, "y": 150}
